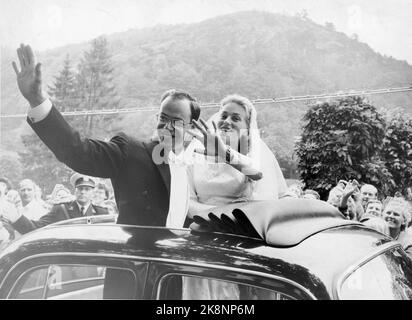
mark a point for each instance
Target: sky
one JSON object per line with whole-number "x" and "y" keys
{"x": 385, "y": 25}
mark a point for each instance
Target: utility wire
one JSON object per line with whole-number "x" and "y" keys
{"x": 216, "y": 105}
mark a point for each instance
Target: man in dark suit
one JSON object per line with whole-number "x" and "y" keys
{"x": 140, "y": 177}
{"x": 82, "y": 206}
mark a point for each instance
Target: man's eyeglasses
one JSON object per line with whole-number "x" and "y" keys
{"x": 174, "y": 122}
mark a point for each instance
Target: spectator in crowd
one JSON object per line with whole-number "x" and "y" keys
{"x": 397, "y": 217}
{"x": 343, "y": 199}
{"x": 13, "y": 197}
{"x": 6, "y": 208}
{"x": 373, "y": 217}
{"x": 82, "y": 206}
{"x": 373, "y": 208}
{"x": 294, "y": 190}
{"x": 342, "y": 184}
{"x": 368, "y": 192}
{"x": 101, "y": 194}
{"x": 311, "y": 194}
{"x": 409, "y": 194}
{"x": 33, "y": 208}
{"x": 60, "y": 194}
{"x": 102, "y": 198}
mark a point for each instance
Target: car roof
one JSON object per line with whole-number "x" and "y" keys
{"x": 313, "y": 263}
{"x": 280, "y": 223}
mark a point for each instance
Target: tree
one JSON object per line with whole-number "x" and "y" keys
{"x": 94, "y": 81}
{"x": 397, "y": 151}
{"x": 10, "y": 166}
{"x": 41, "y": 165}
{"x": 63, "y": 90}
{"x": 342, "y": 140}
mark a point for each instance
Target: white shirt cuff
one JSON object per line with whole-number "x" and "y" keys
{"x": 40, "y": 112}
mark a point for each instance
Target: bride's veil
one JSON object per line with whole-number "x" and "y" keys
{"x": 272, "y": 183}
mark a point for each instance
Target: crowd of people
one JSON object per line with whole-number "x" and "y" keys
{"x": 390, "y": 215}
{"x": 28, "y": 201}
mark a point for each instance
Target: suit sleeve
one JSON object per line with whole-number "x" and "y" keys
{"x": 408, "y": 251}
{"x": 24, "y": 225}
{"x": 87, "y": 156}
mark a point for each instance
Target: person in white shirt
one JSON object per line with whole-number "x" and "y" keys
{"x": 6, "y": 208}
{"x": 32, "y": 207}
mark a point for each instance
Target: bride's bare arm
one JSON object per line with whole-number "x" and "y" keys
{"x": 243, "y": 163}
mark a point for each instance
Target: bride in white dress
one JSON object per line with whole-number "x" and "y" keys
{"x": 233, "y": 165}
{"x": 239, "y": 166}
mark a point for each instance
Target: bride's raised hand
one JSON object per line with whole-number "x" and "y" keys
{"x": 212, "y": 142}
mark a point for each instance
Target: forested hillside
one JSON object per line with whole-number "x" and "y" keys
{"x": 256, "y": 54}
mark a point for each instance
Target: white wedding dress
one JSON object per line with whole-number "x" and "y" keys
{"x": 219, "y": 183}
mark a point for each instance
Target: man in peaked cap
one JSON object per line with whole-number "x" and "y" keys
{"x": 80, "y": 207}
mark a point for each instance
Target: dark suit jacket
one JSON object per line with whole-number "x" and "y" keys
{"x": 59, "y": 212}
{"x": 141, "y": 187}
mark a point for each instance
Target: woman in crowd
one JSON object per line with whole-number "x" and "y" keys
{"x": 235, "y": 165}
{"x": 397, "y": 217}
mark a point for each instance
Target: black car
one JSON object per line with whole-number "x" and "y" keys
{"x": 282, "y": 250}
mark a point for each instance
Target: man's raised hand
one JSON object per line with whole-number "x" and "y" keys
{"x": 29, "y": 77}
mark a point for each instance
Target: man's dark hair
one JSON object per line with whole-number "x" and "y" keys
{"x": 180, "y": 95}
{"x": 105, "y": 188}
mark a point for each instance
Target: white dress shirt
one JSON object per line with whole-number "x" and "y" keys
{"x": 40, "y": 112}
{"x": 86, "y": 207}
{"x": 179, "y": 190}
{"x": 34, "y": 210}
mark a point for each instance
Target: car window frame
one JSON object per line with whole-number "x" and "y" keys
{"x": 49, "y": 266}
{"x": 158, "y": 271}
{"x": 340, "y": 280}
{"x": 87, "y": 259}
{"x": 35, "y": 268}
{"x": 164, "y": 277}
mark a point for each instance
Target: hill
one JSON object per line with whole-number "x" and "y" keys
{"x": 256, "y": 54}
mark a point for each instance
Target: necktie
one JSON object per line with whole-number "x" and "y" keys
{"x": 82, "y": 209}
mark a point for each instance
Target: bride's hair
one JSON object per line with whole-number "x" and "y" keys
{"x": 241, "y": 101}
{"x": 253, "y": 131}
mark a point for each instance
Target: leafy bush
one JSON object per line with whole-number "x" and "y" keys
{"x": 342, "y": 140}
{"x": 397, "y": 151}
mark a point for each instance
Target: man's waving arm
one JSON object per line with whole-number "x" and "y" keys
{"x": 88, "y": 156}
